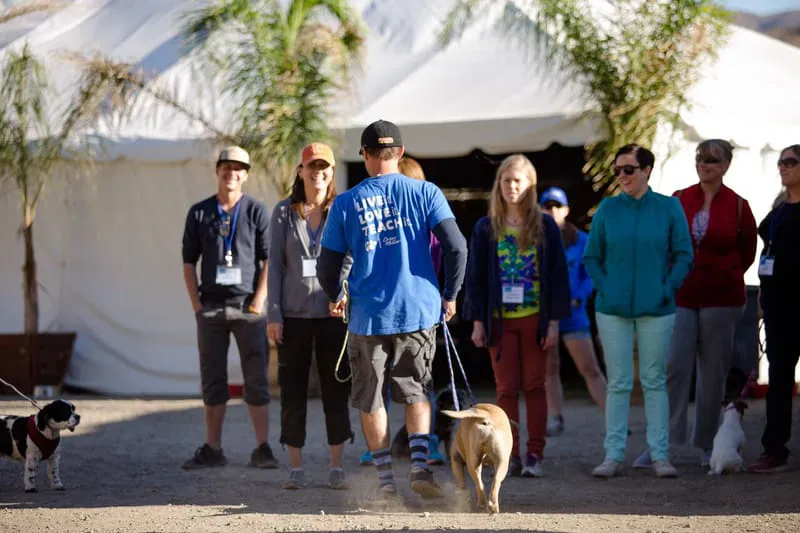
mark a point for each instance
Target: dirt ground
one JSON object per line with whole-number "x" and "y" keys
{"x": 122, "y": 472}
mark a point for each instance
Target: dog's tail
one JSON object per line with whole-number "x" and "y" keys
{"x": 472, "y": 412}
{"x": 466, "y": 413}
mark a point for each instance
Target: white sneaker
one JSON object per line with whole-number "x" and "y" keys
{"x": 533, "y": 468}
{"x": 608, "y": 468}
{"x": 663, "y": 468}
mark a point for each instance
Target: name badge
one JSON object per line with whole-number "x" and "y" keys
{"x": 513, "y": 293}
{"x": 229, "y": 275}
{"x": 309, "y": 267}
{"x": 766, "y": 266}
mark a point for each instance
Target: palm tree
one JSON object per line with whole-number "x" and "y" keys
{"x": 32, "y": 146}
{"x": 284, "y": 67}
{"x": 636, "y": 62}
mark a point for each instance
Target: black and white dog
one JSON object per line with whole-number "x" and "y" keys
{"x": 37, "y": 437}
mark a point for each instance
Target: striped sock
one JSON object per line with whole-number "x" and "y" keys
{"x": 419, "y": 444}
{"x": 383, "y": 462}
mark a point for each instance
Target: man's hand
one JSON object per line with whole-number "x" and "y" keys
{"x": 336, "y": 309}
{"x": 275, "y": 332}
{"x": 551, "y": 339}
{"x": 449, "y": 309}
{"x": 257, "y": 304}
{"x": 478, "y": 334}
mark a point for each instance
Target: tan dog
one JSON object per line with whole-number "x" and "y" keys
{"x": 483, "y": 436}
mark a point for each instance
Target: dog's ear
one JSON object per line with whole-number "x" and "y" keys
{"x": 41, "y": 418}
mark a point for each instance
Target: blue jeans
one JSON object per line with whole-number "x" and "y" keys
{"x": 653, "y": 334}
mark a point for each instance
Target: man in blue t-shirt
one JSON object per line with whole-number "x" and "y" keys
{"x": 385, "y": 223}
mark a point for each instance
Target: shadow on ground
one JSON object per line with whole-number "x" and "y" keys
{"x": 128, "y": 453}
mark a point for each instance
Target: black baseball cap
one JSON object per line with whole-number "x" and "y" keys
{"x": 381, "y": 134}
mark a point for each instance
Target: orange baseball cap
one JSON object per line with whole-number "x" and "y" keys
{"x": 315, "y": 151}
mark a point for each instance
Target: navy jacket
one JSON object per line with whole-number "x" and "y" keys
{"x": 483, "y": 288}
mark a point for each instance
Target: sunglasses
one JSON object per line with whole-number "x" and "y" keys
{"x": 789, "y": 162}
{"x": 627, "y": 169}
{"x": 706, "y": 160}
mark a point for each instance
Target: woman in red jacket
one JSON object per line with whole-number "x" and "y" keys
{"x": 712, "y": 298}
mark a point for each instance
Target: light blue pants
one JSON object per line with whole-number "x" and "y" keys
{"x": 653, "y": 334}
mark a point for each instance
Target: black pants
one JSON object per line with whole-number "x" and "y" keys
{"x": 301, "y": 338}
{"x": 783, "y": 350}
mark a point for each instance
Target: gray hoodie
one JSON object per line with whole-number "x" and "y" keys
{"x": 290, "y": 294}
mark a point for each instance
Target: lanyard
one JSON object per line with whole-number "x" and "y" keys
{"x": 313, "y": 234}
{"x": 773, "y": 224}
{"x": 228, "y": 239}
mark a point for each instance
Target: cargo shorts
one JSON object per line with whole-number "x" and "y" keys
{"x": 404, "y": 359}
{"x": 215, "y": 324}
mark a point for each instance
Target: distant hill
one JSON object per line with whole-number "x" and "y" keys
{"x": 782, "y": 26}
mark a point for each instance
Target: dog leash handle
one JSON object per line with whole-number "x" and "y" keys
{"x": 346, "y": 320}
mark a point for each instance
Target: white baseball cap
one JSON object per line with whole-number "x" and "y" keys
{"x": 234, "y": 154}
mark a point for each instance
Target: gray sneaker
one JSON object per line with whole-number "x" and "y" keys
{"x": 555, "y": 427}
{"x": 336, "y": 479}
{"x": 297, "y": 480}
{"x": 608, "y": 468}
{"x": 664, "y": 469}
{"x": 643, "y": 462}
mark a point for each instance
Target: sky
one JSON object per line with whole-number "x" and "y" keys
{"x": 761, "y": 7}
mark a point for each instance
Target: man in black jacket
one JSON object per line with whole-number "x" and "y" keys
{"x": 229, "y": 232}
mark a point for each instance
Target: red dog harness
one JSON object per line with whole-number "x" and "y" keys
{"x": 46, "y": 446}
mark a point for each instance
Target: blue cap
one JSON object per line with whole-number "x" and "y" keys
{"x": 554, "y": 194}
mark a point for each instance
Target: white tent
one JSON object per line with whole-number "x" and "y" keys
{"x": 108, "y": 245}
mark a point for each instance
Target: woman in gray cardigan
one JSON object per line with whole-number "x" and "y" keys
{"x": 300, "y": 320}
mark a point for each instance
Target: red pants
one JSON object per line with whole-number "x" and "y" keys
{"x": 522, "y": 366}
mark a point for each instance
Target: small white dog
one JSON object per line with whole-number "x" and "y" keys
{"x": 726, "y": 457}
{"x": 38, "y": 437}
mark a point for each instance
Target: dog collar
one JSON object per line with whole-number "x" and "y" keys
{"x": 46, "y": 446}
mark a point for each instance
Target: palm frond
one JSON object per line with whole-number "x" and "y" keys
{"x": 284, "y": 65}
{"x": 26, "y": 8}
{"x": 463, "y": 14}
{"x": 22, "y": 93}
{"x": 636, "y": 64}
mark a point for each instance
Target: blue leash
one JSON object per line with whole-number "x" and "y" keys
{"x": 448, "y": 341}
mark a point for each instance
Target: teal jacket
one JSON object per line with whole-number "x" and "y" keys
{"x": 638, "y": 255}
